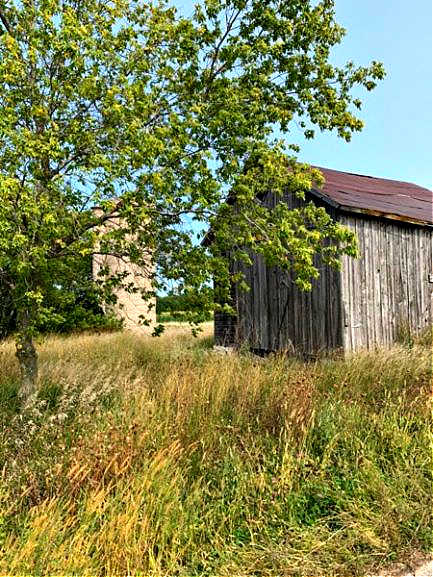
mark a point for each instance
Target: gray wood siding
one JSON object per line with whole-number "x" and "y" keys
{"x": 386, "y": 292}
{"x": 276, "y": 315}
{"x": 374, "y": 301}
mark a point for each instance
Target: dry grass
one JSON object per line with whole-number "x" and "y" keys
{"x": 160, "y": 456}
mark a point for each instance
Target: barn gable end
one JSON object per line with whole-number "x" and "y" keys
{"x": 276, "y": 315}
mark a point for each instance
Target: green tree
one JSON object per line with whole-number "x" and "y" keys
{"x": 154, "y": 117}
{"x": 74, "y": 305}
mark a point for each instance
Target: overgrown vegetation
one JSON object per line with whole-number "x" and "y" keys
{"x": 73, "y": 305}
{"x": 155, "y": 457}
{"x": 125, "y": 124}
{"x": 177, "y": 307}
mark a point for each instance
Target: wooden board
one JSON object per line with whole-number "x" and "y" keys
{"x": 387, "y": 290}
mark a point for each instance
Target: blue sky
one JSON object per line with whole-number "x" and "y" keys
{"x": 397, "y": 139}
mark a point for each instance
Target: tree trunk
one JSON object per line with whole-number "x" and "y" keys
{"x": 27, "y": 357}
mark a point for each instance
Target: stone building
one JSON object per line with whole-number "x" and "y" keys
{"x": 130, "y": 306}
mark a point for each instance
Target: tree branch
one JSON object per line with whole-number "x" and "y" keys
{"x": 214, "y": 73}
{"x": 5, "y": 22}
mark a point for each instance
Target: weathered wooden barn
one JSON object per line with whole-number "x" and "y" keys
{"x": 373, "y": 301}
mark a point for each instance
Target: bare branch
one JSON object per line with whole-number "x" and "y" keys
{"x": 5, "y": 22}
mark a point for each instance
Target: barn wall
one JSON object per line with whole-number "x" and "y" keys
{"x": 276, "y": 315}
{"x": 224, "y": 329}
{"x": 386, "y": 292}
{"x": 225, "y": 323}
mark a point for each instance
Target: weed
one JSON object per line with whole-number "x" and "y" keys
{"x": 163, "y": 457}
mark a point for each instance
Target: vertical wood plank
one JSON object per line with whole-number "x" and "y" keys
{"x": 382, "y": 282}
{"x": 389, "y": 240}
{"x": 359, "y": 284}
{"x": 351, "y": 296}
{"x": 345, "y": 276}
{"x": 257, "y": 304}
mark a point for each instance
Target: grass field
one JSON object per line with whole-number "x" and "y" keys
{"x": 163, "y": 457}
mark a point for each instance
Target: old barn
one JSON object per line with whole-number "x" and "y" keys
{"x": 373, "y": 301}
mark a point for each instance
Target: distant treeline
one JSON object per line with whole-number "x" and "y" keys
{"x": 174, "y": 307}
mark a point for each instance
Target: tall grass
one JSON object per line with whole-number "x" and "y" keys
{"x": 163, "y": 457}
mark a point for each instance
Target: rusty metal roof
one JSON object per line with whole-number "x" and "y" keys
{"x": 391, "y": 199}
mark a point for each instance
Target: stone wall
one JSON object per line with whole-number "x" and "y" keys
{"x": 130, "y": 306}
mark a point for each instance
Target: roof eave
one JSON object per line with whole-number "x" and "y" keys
{"x": 368, "y": 211}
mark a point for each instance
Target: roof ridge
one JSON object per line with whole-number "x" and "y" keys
{"x": 371, "y": 176}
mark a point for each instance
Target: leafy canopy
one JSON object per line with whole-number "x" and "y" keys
{"x": 154, "y": 117}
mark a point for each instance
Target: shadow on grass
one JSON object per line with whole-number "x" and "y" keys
{"x": 10, "y": 402}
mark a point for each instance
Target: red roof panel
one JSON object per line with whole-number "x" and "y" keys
{"x": 389, "y": 198}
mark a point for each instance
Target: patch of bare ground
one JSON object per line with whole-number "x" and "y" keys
{"x": 417, "y": 565}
